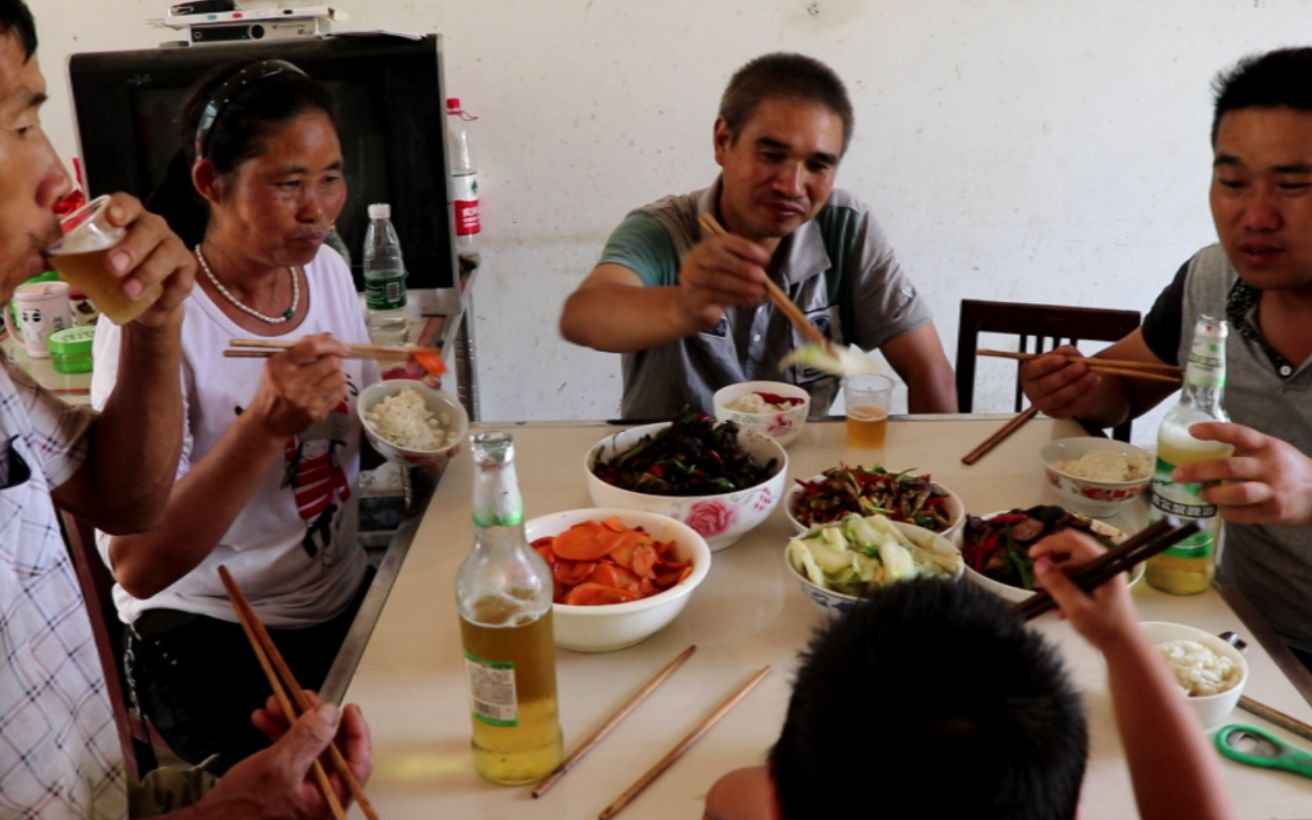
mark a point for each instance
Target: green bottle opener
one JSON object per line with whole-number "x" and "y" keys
{"x": 1255, "y": 747}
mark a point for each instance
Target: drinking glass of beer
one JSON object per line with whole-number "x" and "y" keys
{"x": 867, "y": 398}
{"x": 81, "y": 254}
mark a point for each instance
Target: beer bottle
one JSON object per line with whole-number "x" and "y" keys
{"x": 504, "y": 591}
{"x": 1188, "y": 567}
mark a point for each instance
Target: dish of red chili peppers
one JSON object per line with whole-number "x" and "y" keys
{"x": 844, "y": 489}
{"x": 693, "y": 456}
{"x": 997, "y": 546}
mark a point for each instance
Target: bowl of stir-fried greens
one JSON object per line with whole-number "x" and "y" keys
{"x": 996, "y": 546}
{"x": 716, "y": 478}
{"x": 905, "y": 496}
{"x": 838, "y": 564}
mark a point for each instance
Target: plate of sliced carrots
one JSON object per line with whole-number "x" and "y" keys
{"x": 619, "y": 575}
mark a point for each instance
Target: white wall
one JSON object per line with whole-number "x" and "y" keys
{"x": 1034, "y": 150}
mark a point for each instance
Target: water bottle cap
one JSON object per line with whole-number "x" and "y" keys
{"x": 452, "y": 104}
{"x": 380, "y": 210}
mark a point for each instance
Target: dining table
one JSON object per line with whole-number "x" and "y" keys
{"x": 404, "y": 666}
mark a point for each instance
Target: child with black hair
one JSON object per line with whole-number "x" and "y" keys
{"x": 933, "y": 700}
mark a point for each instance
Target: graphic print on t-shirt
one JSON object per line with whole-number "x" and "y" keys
{"x": 315, "y": 476}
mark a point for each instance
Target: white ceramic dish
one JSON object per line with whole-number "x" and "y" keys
{"x": 956, "y": 509}
{"x": 1016, "y": 594}
{"x": 784, "y": 426}
{"x": 1099, "y": 499}
{"x": 607, "y": 627}
{"x": 836, "y": 603}
{"x": 439, "y": 404}
{"x": 722, "y": 518}
{"x": 1211, "y": 710}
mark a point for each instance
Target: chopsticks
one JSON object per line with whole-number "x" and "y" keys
{"x": 1089, "y": 575}
{"x": 264, "y": 348}
{"x": 595, "y": 738}
{"x": 1000, "y": 435}
{"x": 1150, "y": 371}
{"x": 683, "y": 746}
{"x": 274, "y": 666}
{"x": 1269, "y": 713}
{"x": 776, "y": 293}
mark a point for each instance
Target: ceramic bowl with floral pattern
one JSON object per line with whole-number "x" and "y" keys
{"x": 777, "y": 409}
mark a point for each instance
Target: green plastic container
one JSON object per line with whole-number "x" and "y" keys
{"x": 70, "y": 350}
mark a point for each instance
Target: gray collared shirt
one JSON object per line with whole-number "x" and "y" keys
{"x": 838, "y": 268}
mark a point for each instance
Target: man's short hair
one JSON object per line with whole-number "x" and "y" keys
{"x": 16, "y": 18}
{"x": 931, "y": 699}
{"x": 784, "y": 76}
{"x": 1276, "y": 79}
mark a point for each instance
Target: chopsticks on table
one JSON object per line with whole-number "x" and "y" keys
{"x": 1150, "y": 371}
{"x": 1000, "y": 435}
{"x": 1272, "y": 715}
{"x": 1089, "y": 575}
{"x": 611, "y": 722}
{"x": 777, "y": 295}
{"x": 278, "y": 673}
{"x": 683, "y": 746}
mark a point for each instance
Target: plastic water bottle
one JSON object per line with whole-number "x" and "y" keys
{"x": 384, "y": 277}
{"x": 464, "y": 183}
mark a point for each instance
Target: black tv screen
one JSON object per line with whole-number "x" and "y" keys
{"x": 389, "y": 96}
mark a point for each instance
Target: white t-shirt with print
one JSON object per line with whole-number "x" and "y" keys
{"x": 292, "y": 549}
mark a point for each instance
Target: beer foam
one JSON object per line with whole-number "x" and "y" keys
{"x": 86, "y": 241}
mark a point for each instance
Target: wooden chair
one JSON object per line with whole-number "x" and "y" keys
{"x": 1049, "y": 326}
{"x": 97, "y": 585}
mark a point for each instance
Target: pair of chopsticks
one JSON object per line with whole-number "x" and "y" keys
{"x": 1273, "y": 715}
{"x": 776, "y": 293}
{"x": 278, "y": 673}
{"x": 1000, "y": 435}
{"x": 1149, "y": 371}
{"x": 264, "y": 348}
{"x": 1089, "y": 575}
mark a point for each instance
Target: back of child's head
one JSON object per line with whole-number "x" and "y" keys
{"x": 931, "y": 700}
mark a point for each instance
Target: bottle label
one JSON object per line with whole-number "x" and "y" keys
{"x": 384, "y": 290}
{"x": 464, "y": 190}
{"x": 1206, "y": 364}
{"x": 1184, "y": 501}
{"x": 492, "y": 691}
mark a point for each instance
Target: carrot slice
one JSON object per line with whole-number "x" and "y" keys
{"x": 432, "y": 362}
{"x": 569, "y": 573}
{"x": 615, "y": 525}
{"x": 644, "y": 560}
{"x": 610, "y": 575}
{"x": 582, "y": 542}
{"x": 590, "y": 594}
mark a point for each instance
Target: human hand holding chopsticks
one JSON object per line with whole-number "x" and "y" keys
{"x": 276, "y": 782}
{"x": 1121, "y": 381}
{"x": 1103, "y": 616}
{"x": 719, "y": 272}
{"x": 300, "y": 386}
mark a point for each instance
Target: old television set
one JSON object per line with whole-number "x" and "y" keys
{"x": 389, "y": 93}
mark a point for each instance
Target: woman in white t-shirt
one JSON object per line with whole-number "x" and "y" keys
{"x": 267, "y": 479}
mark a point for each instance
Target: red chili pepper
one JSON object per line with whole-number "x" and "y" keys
{"x": 775, "y": 398}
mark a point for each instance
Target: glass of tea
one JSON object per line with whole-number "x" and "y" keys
{"x": 81, "y": 254}
{"x": 867, "y": 398}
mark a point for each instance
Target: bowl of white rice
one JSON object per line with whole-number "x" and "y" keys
{"x": 774, "y": 409}
{"x": 1210, "y": 672}
{"x": 409, "y": 422}
{"x": 1097, "y": 476}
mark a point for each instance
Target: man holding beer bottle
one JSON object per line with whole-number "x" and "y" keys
{"x": 61, "y": 756}
{"x": 1258, "y": 278}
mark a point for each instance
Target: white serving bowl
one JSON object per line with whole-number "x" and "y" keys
{"x": 607, "y": 627}
{"x": 1211, "y": 710}
{"x": 784, "y": 426}
{"x": 1016, "y": 594}
{"x": 836, "y": 603}
{"x": 722, "y": 518}
{"x": 1095, "y": 498}
{"x": 439, "y": 403}
{"x": 956, "y": 509}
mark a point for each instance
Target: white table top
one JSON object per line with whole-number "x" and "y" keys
{"x": 410, "y": 682}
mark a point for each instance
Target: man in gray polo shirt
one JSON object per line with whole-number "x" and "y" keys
{"x": 689, "y": 311}
{"x": 1260, "y": 278}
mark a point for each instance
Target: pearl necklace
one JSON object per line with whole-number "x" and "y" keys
{"x": 273, "y": 320}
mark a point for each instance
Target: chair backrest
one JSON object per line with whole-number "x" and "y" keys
{"x": 1047, "y": 326}
{"x": 97, "y": 585}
